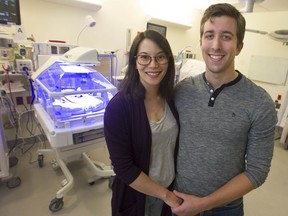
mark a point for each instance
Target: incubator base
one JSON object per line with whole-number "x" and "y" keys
{"x": 72, "y": 144}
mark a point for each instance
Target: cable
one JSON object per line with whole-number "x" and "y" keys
{"x": 15, "y": 119}
{"x": 9, "y": 109}
{"x": 20, "y": 135}
{"x": 31, "y": 85}
{"x": 7, "y": 70}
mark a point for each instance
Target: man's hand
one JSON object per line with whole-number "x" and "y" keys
{"x": 190, "y": 206}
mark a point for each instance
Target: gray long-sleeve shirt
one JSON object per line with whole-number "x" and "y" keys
{"x": 223, "y": 133}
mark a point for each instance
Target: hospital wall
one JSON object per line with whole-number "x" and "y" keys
{"x": 262, "y": 45}
{"x": 47, "y": 20}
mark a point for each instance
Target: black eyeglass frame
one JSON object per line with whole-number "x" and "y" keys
{"x": 155, "y": 58}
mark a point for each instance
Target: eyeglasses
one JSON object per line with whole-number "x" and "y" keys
{"x": 145, "y": 60}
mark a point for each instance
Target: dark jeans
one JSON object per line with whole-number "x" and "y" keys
{"x": 234, "y": 208}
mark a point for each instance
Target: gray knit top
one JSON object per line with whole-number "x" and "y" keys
{"x": 223, "y": 132}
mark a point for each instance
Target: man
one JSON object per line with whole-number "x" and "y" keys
{"x": 226, "y": 124}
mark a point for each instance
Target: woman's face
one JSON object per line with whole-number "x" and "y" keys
{"x": 151, "y": 72}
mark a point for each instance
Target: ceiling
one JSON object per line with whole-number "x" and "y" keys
{"x": 259, "y": 5}
{"x": 267, "y": 6}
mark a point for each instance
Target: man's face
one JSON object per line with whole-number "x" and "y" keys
{"x": 219, "y": 44}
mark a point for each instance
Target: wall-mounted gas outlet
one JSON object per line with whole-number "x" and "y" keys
{"x": 24, "y": 65}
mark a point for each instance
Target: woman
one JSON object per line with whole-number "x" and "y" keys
{"x": 141, "y": 130}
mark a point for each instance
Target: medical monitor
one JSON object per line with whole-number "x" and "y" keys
{"x": 10, "y": 12}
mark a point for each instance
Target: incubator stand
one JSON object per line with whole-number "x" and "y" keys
{"x": 71, "y": 100}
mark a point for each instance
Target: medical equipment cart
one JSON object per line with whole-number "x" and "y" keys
{"x": 11, "y": 181}
{"x": 71, "y": 100}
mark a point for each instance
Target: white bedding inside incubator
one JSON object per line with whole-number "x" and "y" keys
{"x": 77, "y": 104}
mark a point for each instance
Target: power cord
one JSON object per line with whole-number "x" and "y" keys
{"x": 26, "y": 69}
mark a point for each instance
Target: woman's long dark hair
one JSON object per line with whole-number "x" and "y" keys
{"x": 131, "y": 85}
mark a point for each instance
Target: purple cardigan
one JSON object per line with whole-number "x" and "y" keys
{"x": 128, "y": 137}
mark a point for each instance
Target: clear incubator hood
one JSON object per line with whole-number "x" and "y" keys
{"x": 71, "y": 93}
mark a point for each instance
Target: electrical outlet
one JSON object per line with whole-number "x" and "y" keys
{"x": 19, "y": 100}
{"x": 28, "y": 99}
{"x": 21, "y": 64}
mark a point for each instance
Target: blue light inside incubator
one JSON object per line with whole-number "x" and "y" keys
{"x": 68, "y": 91}
{"x": 62, "y": 77}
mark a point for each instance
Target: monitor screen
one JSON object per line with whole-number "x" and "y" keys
{"x": 159, "y": 28}
{"x": 10, "y": 12}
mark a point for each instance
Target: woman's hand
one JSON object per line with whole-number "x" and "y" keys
{"x": 172, "y": 200}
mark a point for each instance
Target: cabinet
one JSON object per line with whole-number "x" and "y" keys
{"x": 284, "y": 135}
{"x": 94, "y": 5}
{"x": 4, "y": 163}
{"x": 282, "y": 116}
{"x": 169, "y": 23}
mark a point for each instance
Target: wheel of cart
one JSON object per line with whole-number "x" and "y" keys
{"x": 40, "y": 160}
{"x": 93, "y": 179}
{"x": 13, "y": 182}
{"x": 56, "y": 204}
{"x": 100, "y": 171}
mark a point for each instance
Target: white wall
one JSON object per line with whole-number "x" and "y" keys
{"x": 47, "y": 20}
{"x": 256, "y": 44}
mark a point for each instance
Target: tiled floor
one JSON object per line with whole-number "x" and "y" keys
{"x": 39, "y": 187}
{"x": 272, "y": 197}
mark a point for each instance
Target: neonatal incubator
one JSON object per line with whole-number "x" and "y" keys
{"x": 71, "y": 100}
